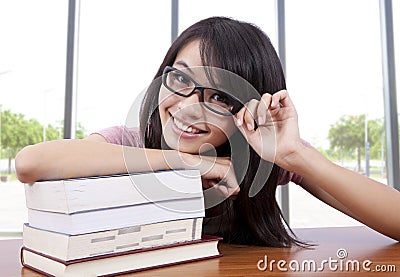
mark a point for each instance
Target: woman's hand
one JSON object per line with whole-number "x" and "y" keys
{"x": 277, "y": 137}
{"x": 216, "y": 173}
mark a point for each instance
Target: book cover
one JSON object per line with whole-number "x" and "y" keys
{"x": 126, "y": 262}
{"x": 72, "y": 247}
{"x": 82, "y": 194}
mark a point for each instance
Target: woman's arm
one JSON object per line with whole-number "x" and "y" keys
{"x": 366, "y": 200}
{"x": 370, "y": 202}
{"x": 322, "y": 195}
{"x": 93, "y": 156}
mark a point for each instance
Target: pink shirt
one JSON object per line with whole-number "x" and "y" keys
{"x": 122, "y": 135}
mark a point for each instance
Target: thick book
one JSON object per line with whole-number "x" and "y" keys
{"x": 67, "y": 247}
{"x": 114, "y": 218}
{"x": 126, "y": 262}
{"x": 82, "y": 194}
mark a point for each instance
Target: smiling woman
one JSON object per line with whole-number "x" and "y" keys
{"x": 257, "y": 221}
{"x": 180, "y": 130}
{"x": 183, "y": 130}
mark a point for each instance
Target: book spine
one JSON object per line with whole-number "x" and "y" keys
{"x": 138, "y": 237}
{"x": 125, "y": 271}
{"x": 161, "y": 266}
{"x": 208, "y": 239}
{"x": 28, "y": 265}
{"x": 114, "y": 241}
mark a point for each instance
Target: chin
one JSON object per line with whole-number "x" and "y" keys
{"x": 189, "y": 149}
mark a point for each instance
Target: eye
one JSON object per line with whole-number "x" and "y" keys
{"x": 221, "y": 98}
{"x": 181, "y": 78}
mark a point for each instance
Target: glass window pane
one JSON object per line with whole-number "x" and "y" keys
{"x": 334, "y": 76}
{"x": 32, "y": 81}
{"x": 396, "y": 31}
{"x": 261, "y": 13}
{"x": 121, "y": 45}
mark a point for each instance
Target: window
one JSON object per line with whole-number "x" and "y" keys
{"x": 121, "y": 45}
{"x": 334, "y": 74}
{"x": 396, "y": 33}
{"x": 32, "y": 74}
{"x": 261, "y": 13}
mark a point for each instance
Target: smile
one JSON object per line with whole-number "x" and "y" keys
{"x": 186, "y": 128}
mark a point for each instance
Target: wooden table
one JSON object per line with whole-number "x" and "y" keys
{"x": 362, "y": 245}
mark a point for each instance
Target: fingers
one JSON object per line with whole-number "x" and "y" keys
{"x": 281, "y": 99}
{"x": 219, "y": 176}
{"x": 227, "y": 184}
{"x": 245, "y": 116}
{"x": 253, "y": 110}
{"x": 224, "y": 188}
{"x": 261, "y": 110}
{"x": 207, "y": 184}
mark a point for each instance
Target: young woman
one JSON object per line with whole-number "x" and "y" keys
{"x": 181, "y": 124}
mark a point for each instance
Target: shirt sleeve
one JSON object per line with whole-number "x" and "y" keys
{"x": 122, "y": 135}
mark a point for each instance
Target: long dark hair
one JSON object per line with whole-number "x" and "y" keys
{"x": 241, "y": 48}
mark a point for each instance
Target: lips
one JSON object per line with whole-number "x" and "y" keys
{"x": 185, "y": 127}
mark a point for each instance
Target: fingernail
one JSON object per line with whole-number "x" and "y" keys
{"x": 239, "y": 122}
{"x": 272, "y": 103}
{"x": 261, "y": 120}
{"x": 249, "y": 127}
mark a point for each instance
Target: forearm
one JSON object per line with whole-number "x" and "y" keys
{"x": 368, "y": 201}
{"x": 322, "y": 195}
{"x": 81, "y": 158}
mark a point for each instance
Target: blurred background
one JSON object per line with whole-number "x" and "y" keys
{"x": 333, "y": 51}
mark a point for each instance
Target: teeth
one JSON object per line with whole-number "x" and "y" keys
{"x": 185, "y": 128}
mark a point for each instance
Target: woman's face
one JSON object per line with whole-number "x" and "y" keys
{"x": 187, "y": 125}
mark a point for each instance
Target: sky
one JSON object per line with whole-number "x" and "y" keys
{"x": 333, "y": 56}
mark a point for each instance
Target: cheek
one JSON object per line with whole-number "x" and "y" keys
{"x": 221, "y": 133}
{"x": 163, "y": 99}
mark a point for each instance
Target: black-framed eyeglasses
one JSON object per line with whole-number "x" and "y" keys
{"x": 213, "y": 99}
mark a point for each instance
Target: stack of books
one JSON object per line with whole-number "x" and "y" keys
{"x": 116, "y": 224}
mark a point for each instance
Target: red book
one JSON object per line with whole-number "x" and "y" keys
{"x": 124, "y": 262}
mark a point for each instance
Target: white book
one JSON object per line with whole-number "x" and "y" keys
{"x": 82, "y": 194}
{"x": 114, "y": 218}
{"x": 67, "y": 247}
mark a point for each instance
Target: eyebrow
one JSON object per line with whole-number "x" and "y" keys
{"x": 182, "y": 63}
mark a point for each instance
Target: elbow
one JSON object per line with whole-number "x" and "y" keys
{"x": 25, "y": 165}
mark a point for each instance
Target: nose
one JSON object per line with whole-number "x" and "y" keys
{"x": 191, "y": 105}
